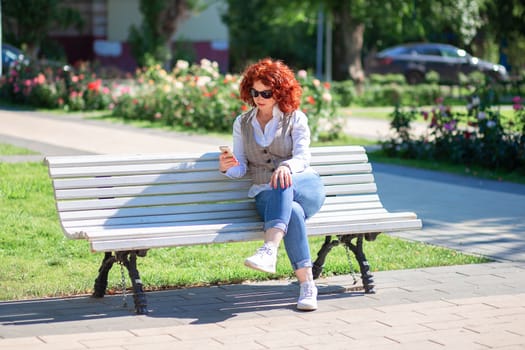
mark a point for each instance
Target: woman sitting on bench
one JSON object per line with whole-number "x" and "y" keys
{"x": 272, "y": 142}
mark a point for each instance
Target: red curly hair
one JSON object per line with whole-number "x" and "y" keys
{"x": 279, "y": 77}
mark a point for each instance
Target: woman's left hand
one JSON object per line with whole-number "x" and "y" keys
{"x": 282, "y": 175}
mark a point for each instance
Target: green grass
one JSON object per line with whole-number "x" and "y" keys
{"x": 39, "y": 261}
{"x": 507, "y": 112}
{"x": 10, "y": 150}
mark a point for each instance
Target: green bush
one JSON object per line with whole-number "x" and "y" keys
{"x": 479, "y": 136}
{"x": 344, "y": 92}
{"x": 432, "y": 77}
{"x": 384, "y": 79}
{"x": 396, "y": 94}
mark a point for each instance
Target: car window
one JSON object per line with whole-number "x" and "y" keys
{"x": 429, "y": 51}
{"x": 399, "y": 50}
{"x": 453, "y": 52}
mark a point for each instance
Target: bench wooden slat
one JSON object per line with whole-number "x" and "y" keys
{"x": 125, "y": 159}
{"x": 136, "y": 180}
{"x": 105, "y": 159}
{"x": 174, "y": 218}
{"x": 343, "y": 169}
{"x": 334, "y": 159}
{"x": 165, "y": 189}
{"x": 129, "y": 202}
{"x": 350, "y": 189}
{"x": 134, "y": 169}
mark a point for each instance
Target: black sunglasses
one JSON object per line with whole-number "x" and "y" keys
{"x": 264, "y": 94}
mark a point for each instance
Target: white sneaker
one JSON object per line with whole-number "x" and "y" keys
{"x": 264, "y": 259}
{"x": 308, "y": 297}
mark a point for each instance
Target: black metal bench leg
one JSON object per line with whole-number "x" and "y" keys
{"x": 139, "y": 297}
{"x": 357, "y": 249}
{"x": 101, "y": 283}
{"x": 327, "y": 246}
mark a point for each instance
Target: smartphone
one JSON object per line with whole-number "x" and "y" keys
{"x": 226, "y": 149}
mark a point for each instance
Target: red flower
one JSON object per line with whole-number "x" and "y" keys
{"x": 94, "y": 85}
{"x": 311, "y": 100}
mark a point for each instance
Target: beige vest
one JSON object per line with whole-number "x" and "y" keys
{"x": 262, "y": 161}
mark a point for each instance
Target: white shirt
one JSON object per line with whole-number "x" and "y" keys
{"x": 300, "y": 152}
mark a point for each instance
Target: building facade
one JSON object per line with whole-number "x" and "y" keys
{"x": 104, "y": 37}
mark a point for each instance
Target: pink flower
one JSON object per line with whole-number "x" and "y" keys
{"x": 302, "y": 74}
{"x": 40, "y": 79}
{"x": 517, "y": 103}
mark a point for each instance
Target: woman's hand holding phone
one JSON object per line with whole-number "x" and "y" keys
{"x": 226, "y": 159}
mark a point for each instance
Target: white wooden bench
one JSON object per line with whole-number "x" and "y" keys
{"x": 124, "y": 205}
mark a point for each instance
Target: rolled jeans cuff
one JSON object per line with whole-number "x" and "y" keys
{"x": 279, "y": 224}
{"x": 302, "y": 264}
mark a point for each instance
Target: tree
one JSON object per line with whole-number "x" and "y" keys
{"x": 394, "y": 22}
{"x": 505, "y": 22}
{"x": 27, "y": 22}
{"x": 151, "y": 42}
{"x": 359, "y": 27}
{"x": 274, "y": 28}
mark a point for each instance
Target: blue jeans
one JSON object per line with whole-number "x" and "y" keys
{"x": 287, "y": 209}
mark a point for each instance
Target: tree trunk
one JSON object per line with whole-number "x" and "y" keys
{"x": 170, "y": 18}
{"x": 348, "y": 45}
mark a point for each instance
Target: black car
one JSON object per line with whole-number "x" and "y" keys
{"x": 414, "y": 61}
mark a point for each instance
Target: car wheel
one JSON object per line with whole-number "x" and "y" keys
{"x": 414, "y": 77}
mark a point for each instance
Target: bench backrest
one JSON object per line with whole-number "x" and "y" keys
{"x": 154, "y": 190}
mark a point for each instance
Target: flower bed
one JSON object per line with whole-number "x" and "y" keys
{"x": 479, "y": 136}
{"x": 195, "y": 96}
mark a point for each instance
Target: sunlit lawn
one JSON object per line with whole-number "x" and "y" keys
{"x": 38, "y": 261}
